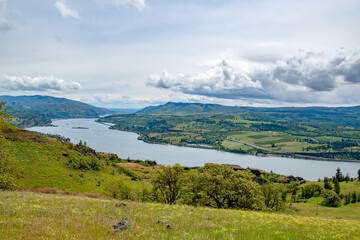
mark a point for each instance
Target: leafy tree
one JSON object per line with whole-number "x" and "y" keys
{"x": 310, "y": 190}
{"x": 327, "y": 184}
{"x": 273, "y": 196}
{"x": 222, "y": 187}
{"x": 339, "y": 176}
{"x": 331, "y": 199}
{"x": 166, "y": 183}
{"x": 359, "y": 174}
{"x": 337, "y": 186}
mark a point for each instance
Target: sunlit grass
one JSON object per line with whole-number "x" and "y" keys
{"x": 40, "y": 216}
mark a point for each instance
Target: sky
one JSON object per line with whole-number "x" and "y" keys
{"x": 135, "y": 53}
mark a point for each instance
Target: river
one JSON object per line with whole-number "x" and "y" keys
{"x": 125, "y": 144}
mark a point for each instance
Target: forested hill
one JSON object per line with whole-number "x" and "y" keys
{"x": 39, "y": 110}
{"x": 345, "y": 115}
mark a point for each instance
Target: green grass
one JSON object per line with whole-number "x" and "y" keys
{"x": 37, "y": 216}
{"x": 311, "y": 208}
{"x": 44, "y": 163}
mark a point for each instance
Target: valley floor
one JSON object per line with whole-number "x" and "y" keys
{"x": 25, "y": 215}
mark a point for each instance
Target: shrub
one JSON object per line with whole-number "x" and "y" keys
{"x": 311, "y": 190}
{"x": 331, "y": 199}
{"x": 274, "y": 199}
{"x": 84, "y": 163}
{"x": 118, "y": 189}
{"x": 220, "y": 186}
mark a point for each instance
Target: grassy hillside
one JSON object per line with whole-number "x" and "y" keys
{"x": 46, "y": 162}
{"x": 39, "y": 110}
{"x": 39, "y": 216}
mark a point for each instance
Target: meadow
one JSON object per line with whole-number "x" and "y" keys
{"x": 26, "y": 215}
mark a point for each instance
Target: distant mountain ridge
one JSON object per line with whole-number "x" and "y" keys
{"x": 344, "y": 115}
{"x": 39, "y": 110}
{"x": 192, "y": 108}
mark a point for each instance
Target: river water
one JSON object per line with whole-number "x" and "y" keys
{"x": 125, "y": 144}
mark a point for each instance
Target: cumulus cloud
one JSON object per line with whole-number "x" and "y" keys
{"x": 222, "y": 80}
{"x": 302, "y": 77}
{"x": 41, "y": 84}
{"x": 8, "y": 18}
{"x": 318, "y": 71}
{"x": 138, "y": 4}
{"x": 65, "y": 11}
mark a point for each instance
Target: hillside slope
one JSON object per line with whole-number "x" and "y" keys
{"x": 39, "y": 110}
{"x": 43, "y": 162}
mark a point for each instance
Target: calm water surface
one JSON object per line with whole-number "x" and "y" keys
{"x": 125, "y": 144}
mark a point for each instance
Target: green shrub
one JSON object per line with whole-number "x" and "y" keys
{"x": 331, "y": 199}
{"x": 118, "y": 189}
{"x": 311, "y": 190}
{"x": 220, "y": 186}
{"x": 84, "y": 163}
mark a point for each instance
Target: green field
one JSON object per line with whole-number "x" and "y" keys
{"x": 273, "y": 141}
{"x": 257, "y": 134}
{"x": 26, "y": 215}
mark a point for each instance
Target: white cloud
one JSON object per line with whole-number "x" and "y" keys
{"x": 319, "y": 71}
{"x": 8, "y": 18}
{"x": 41, "y": 84}
{"x": 138, "y": 4}
{"x": 301, "y": 77}
{"x": 65, "y": 11}
{"x": 222, "y": 80}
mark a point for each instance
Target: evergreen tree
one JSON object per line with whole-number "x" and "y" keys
{"x": 339, "y": 176}
{"x": 348, "y": 198}
{"x": 354, "y": 197}
{"x": 337, "y": 187}
{"x": 359, "y": 174}
{"x": 327, "y": 184}
{"x": 347, "y": 178}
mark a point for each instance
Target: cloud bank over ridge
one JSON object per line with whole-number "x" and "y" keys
{"x": 291, "y": 79}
